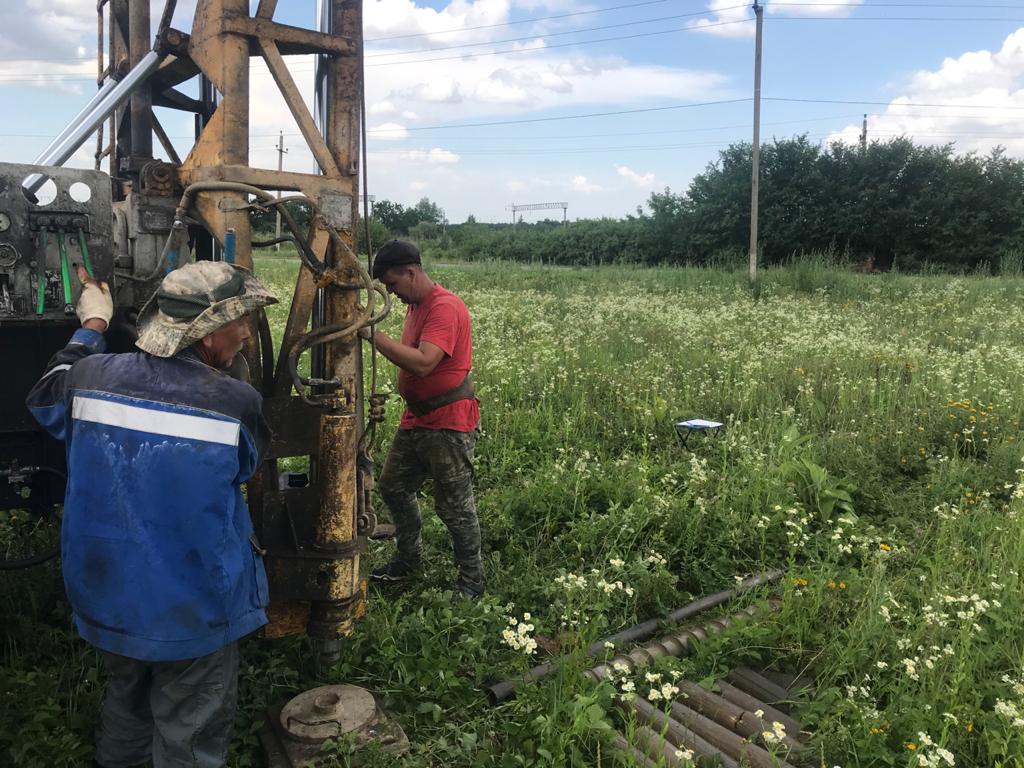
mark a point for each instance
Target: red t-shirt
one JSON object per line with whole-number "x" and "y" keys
{"x": 443, "y": 320}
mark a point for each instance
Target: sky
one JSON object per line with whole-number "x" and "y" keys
{"x": 481, "y": 104}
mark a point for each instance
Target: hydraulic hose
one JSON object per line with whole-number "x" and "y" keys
{"x": 42, "y": 557}
{"x": 84, "y": 248}
{"x": 65, "y": 273}
{"x": 313, "y": 264}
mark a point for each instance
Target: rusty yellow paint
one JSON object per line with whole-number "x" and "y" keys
{"x": 285, "y": 618}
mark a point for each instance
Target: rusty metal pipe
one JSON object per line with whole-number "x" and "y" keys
{"x": 335, "y": 534}
{"x": 621, "y": 745}
{"x": 505, "y": 689}
{"x": 657, "y": 747}
{"x": 678, "y": 644}
{"x": 751, "y": 704}
{"x": 730, "y": 742}
{"x": 675, "y": 732}
{"x": 760, "y": 687}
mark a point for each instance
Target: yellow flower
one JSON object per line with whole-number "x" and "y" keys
{"x": 911, "y": 746}
{"x": 800, "y": 582}
{"x": 885, "y": 547}
{"x": 831, "y": 585}
{"x": 969, "y": 726}
{"x": 842, "y": 585}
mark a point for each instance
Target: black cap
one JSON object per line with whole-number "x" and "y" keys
{"x": 394, "y": 253}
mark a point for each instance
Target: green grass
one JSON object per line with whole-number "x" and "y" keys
{"x": 900, "y": 393}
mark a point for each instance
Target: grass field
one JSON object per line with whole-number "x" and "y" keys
{"x": 871, "y": 449}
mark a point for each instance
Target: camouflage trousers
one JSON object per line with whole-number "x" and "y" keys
{"x": 446, "y": 457}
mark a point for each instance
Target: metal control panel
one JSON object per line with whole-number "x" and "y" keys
{"x": 51, "y": 220}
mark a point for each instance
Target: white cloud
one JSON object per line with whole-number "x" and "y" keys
{"x": 417, "y": 186}
{"x": 640, "y": 180}
{"x": 814, "y": 8}
{"x": 382, "y": 108}
{"x": 436, "y": 90}
{"x": 388, "y": 132}
{"x": 983, "y": 97}
{"x": 391, "y": 18}
{"x": 727, "y": 18}
{"x": 580, "y": 184}
{"x": 410, "y": 116}
{"x": 435, "y": 156}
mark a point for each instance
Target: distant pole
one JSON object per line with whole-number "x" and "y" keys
{"x": 864, "y": 134}
{"x": 755, "y": 170}
{"x": 280, "y": 164}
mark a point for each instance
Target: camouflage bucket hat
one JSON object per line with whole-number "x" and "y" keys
{"x": 196, "y": 300}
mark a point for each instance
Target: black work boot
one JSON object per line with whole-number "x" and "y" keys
{"x": 468, "y": 588}
{"x": 396, "y": 570}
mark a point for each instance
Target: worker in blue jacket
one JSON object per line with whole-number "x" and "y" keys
{"x": 160, "y": 563}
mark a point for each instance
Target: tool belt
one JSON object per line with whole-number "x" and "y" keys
{"x": 463, "y": 391}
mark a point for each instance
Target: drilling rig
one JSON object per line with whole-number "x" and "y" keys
{"x": 144, "y": 217}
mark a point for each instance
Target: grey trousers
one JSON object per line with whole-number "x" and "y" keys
{"x": 175, "y": 713}
{"x": 446, "y": 457}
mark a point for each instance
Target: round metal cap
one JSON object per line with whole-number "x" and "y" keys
{"x": 328, "y": 712}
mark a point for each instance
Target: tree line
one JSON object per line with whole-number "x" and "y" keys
{"x": 892, "y": 203}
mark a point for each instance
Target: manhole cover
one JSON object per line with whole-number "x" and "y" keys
{"x": 327, "y": 713}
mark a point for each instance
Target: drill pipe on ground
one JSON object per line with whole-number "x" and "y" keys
{"x": 675, "y": 733}
{"x": 732, "y": 716}
{"x": 760, "y": 687}
{"x": 729, "y": 742}
{"x": 505, "y": 689}
{"x": 621, "y": 745}
{"x": 751, "y": 704}
{"x": 677, "y": 644}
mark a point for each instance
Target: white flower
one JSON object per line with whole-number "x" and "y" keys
{"x": 616, "y": 562}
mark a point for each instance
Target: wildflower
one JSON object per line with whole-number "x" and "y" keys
{"x": 885, "y": 547}
{"x": 911, "y": 746}
{"x": 609, "y": 646}
{"x": 684, "y": 754}
{"x": 654, "y": 694}
{"x": 759, "y": 714}
{"x": 616, "y": 562}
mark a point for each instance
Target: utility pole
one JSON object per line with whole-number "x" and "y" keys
{"x": 755, "y": 170}
{"x": 864, "y": 135}
{"x": 280, "y": 165}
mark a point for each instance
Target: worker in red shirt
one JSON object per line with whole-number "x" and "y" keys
{"x": 438, "y": 430}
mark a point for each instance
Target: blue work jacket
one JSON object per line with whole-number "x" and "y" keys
{"x": 159, "y": 558}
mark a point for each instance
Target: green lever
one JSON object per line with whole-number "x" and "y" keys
{"x": 44, "y": 240}
{"x": 84, "y": 248}
{"x": 65, "y": 273}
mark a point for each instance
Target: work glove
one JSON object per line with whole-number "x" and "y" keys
{"x": 95, "y": 300}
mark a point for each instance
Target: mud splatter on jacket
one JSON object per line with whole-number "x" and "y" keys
{"x": 159, "y": 558}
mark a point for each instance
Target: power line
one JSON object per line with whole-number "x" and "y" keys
{"x": 894, "y": 18}
{"x": 554, "y": 34}
{"x": 513, "y": 23}
{"x": 581, "y": 116}
{"x": 986, "y": 6}
{"x": 888, "y": 103}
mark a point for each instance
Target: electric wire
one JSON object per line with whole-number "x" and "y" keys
{"x": 552, "y": 34}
